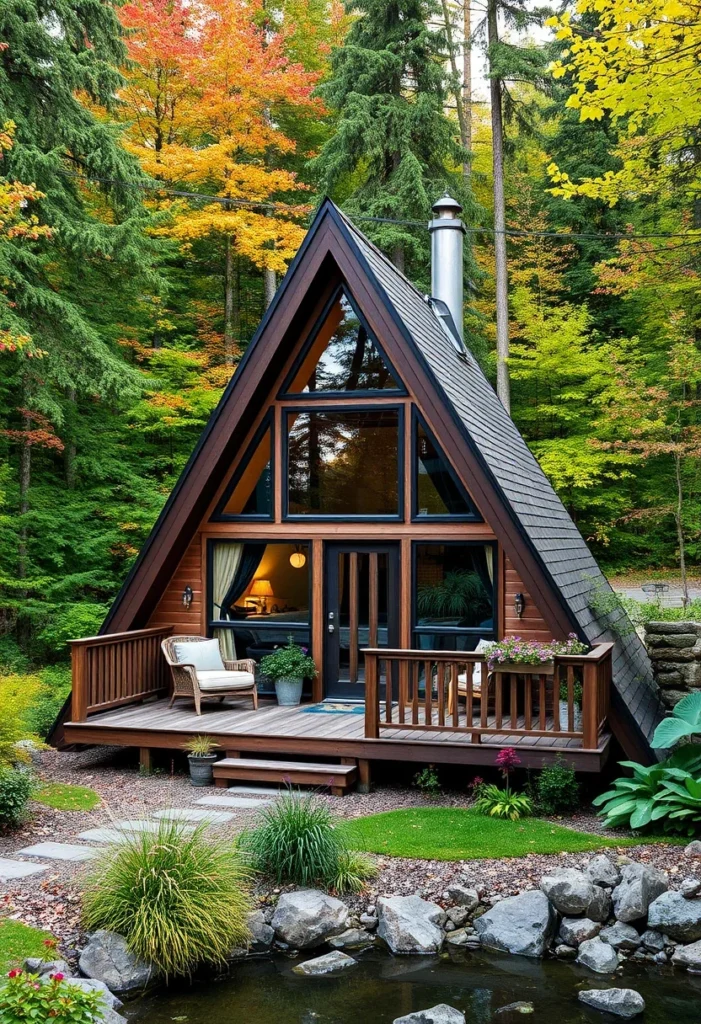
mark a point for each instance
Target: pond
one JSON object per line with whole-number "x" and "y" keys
{"x": 381, "y": 988}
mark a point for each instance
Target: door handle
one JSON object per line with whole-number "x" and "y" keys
{"x": 331, "y": 627}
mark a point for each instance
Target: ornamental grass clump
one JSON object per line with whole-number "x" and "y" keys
{"x": 179, "y": 898}
{"x": 299, "y": 841}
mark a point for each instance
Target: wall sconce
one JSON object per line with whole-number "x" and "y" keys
{"x": 298, "y": 559}
{"x": 519, "y": 604}
{"x": 187, "y": 597}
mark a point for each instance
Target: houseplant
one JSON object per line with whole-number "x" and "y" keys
{"x": 288, "y": 667}
{"x": 200, "y": 754}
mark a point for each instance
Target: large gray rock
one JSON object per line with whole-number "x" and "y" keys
{"x": 91, "y": 985}
{"x": 639, "y": 886}
{"x": 440, "y": 1014}
{"x": 330, "y": 963}
{"x": 569, "y": 890}
{"x": 676, "y": 917}
{"x": 35, "y": 965}
{"x": 652, "y": 941}
{"x": 352, "y": 938}
{"x": 522, "y": 924}
{"x": 693, "y": 849}
{"x": 464, "y": 897}
{"x": 112, "y": 1017}
{"x": 308, "y": 918}
{"x": 262, "y": 934}
{"x": 690, "y": 887}
{"x": 574, "y": 930}
{"x": 688, "y": 956}
{"x": 107, "y": 958}
{"x": 623, "y": 1002}
{"x": 598, "y": 956}
{"x": 602, "y": 871}
{"x": 409, "y": 924}
{"x": 599, "y": 906}
{"x": 621, "y": 936}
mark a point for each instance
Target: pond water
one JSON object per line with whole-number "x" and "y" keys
{"x": 381, "y": 988}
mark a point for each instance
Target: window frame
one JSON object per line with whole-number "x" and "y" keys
{"x": 319, "y": 517}
{"x": 477, "y": 631}
{"x": 219, "y": 515}
{"x": 316, "y": 396}
{"x": 473, "y": 517}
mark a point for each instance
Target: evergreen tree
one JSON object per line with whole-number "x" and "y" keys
{"x": 394, "y": 151}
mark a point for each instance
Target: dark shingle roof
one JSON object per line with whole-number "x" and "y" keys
{"x": 538, "y": 511}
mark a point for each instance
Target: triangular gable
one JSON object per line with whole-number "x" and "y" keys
{"x": 460, "y": 407}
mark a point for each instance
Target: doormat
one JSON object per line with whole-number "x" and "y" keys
{"x": 335, "y": 709}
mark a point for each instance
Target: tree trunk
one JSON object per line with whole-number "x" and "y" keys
{"x": 459, "y": 91}
{"x": 25, "y": 479}
{"x": 467, "y": 82}
{"x": 269, "y": 285}
{"x": 680, "y": 530}
{"x": 229, "y": 340}
{"x": 69, "y": 451}
{"x": 501, "y": 272}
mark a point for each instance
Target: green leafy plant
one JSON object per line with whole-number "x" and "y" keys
{"x": 503, "y": 803}
{"x": 428, "y": 782}
{"x": 557, "y": 789}
{"x": 288, "y": 662}
{"x": 55, "y": 686}
{"x": 83, "y": 618}
{"x": 16, "y": 785}
{"x": 577, "y": 692}
{"x": 678, "y": 805}
{"x": 200, "y": 746}
{"x": 453, "y": 596}
{"x": 180, "y": 899}
{"x": 23, "y": 998}
{"x": 631, "y": 800}
{"x": 685, "y": 721}
{"x": 353, "y": 870}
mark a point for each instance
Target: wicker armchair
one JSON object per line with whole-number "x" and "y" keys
{"x": 187, "y": 684}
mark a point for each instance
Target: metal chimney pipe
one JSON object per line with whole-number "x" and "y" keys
{"x": 447, "y": 230}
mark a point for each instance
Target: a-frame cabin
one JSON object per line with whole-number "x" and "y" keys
{"x": 361, "y": 488}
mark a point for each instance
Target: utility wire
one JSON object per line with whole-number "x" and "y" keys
{"x": 292, "y": 210}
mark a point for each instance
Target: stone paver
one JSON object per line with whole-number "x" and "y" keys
{"x": 262, "y": 790}
{"x": 104, "y": 835}
{"x": 192, "y": 814}
{"x": 232, "y": 801}
{"x": 58, "y": 851}
{"x": 10, "y": 869}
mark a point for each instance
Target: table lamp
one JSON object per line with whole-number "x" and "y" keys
{"x": 263, "y": 590}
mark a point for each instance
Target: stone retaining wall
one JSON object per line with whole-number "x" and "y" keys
{"x": 675, "y": 651}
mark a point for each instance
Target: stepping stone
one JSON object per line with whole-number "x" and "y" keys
{"x": 59, "y": 851}
{"x": 192, "y": 814}
{"x": 103, "y": 835}
{"x": 145, "y": 826}
{"x": 232, "y": 801}
{"x": 261, "y": 790}
{"x": 10, "y": 869}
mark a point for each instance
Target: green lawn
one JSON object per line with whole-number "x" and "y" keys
{"x": 18, "y": 941}
{"x": 436, "y": 833}
{"x": 68, "y": 798}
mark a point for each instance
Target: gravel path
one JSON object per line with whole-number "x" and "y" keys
{"x": 51, "y": 900}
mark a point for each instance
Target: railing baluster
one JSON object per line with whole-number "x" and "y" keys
{"x": 428, "y": 693}
{"x": 440, "y": 668}
{"x": 415, "y": 693}
{"x": 403, "y": 688}
{"x": 570, "y": 698}
{"x": 455, "y": 693}
{"x": 513, "y": 703}
{"x": 528, "y": 702}
{"x": 498, "y": 697}
{"x": 542, "y": 696}
{"x": 389, "y": 663}
{"x": 486, "y": 683}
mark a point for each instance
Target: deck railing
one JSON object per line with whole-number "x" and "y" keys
{"x": 116, "y": 669}
{"x": 439, "y": 691}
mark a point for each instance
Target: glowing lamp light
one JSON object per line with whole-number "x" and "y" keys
{"x": 298, "y": 559}
{"x": 262, "y": 589}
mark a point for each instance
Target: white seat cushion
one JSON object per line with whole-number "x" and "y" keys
{"x": 224, "y": 680}
{"x": 203, "y": 654}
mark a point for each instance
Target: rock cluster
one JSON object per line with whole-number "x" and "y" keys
{"x": 675, "y": 653}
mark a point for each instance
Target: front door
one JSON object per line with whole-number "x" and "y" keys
{"x": 361, "y": 610}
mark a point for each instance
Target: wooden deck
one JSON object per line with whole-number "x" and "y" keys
{"x": 281, "y": 731}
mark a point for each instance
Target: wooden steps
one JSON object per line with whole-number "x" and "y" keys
{"x": 338, "y": 777}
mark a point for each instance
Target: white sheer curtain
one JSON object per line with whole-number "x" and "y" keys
{"x": 225, "y": 564}
{"x": 489, "y": 557}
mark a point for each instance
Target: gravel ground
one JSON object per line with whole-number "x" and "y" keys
{"x": 51, "y": 900}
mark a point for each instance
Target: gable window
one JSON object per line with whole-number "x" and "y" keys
{"x": 454, "y": 595}
{"x": 438, "y": 494}
{"x": 250, "y": 492}
{"x": 344, "y": 462}
{"x": 342, "y": 356}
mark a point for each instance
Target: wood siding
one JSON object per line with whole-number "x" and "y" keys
{"x": 532, "y": 625}
{"x": 170, "y": 610}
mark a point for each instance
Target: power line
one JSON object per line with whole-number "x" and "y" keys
{"x": 290, "y": 210}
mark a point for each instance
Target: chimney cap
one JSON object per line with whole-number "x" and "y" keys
{"x": 446, "y": 206}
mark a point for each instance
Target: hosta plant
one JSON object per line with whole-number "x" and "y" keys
{"x": 685, "y": 721}
{"x": 23, "y": 998}
{"x": 636, "y": 801}
{"x": 678, "y": 805}
{"x": 503, "y": 803}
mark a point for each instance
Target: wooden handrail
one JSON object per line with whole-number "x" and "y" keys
{"x": 507, "y": 701}
{"x": 115, "y": 669}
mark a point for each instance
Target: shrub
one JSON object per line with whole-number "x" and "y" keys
{"x": 427, "y": 781}
{"x": 179, "y": 899}
{"x": 55, "y": 686}
{"x": 13, "y": 660}
{"x": 24, "y": 999}
{"x": 557, "y": 789}
{"x": 643, "y": 799}
{"x": 503, "y": 803}
{"x": 16, "y": 784}
{"x": 72, "y": 620}
{"x": 17, "y": 693}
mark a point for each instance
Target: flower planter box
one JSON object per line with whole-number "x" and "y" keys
{"x": 545, "y": 668}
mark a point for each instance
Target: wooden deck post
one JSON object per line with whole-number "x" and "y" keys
{"x": 372, "y": 698}
{"x": 364, "y": 776}
{"x": 79, "y": 686}
{"x": 590, "y": 710}
{"x": 145, "y": 760}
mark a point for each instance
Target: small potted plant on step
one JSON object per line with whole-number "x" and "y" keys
{"x": 200, "y": 754}
{"x": 288, "y": 667}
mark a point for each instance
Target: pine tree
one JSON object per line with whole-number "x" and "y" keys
{"x": 394, "y": 151}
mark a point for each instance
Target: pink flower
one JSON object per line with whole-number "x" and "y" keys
{"x": 14, "y": 974}
{"x": 57, "y": 976}
{"x": 507, "y": 759}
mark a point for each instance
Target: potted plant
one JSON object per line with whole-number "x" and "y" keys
{"x": 564, "y": 701}
{"x": 512, "y": 654}
{"x": 288, "y": 667}
{"x": 200, "y": 754}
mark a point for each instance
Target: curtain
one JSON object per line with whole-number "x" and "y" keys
{"x": 225, "y": 564}
{"x": 249, "y": 561}
{"x": 489, "y": 556}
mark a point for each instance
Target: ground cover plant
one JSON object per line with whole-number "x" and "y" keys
{"x": 64, "y": 797}
{"x": 23, "y": 999}
{"x": 440, "y": 833}
{"x": 299, "y": 840}
{"x": 179, "y": 898}
{"x": 19, "y": 941}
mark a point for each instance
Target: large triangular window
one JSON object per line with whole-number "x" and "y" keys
{"x": 250, "y": 492}
{"x": 438, "y": 494}
{"x": 342, "y": 356}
